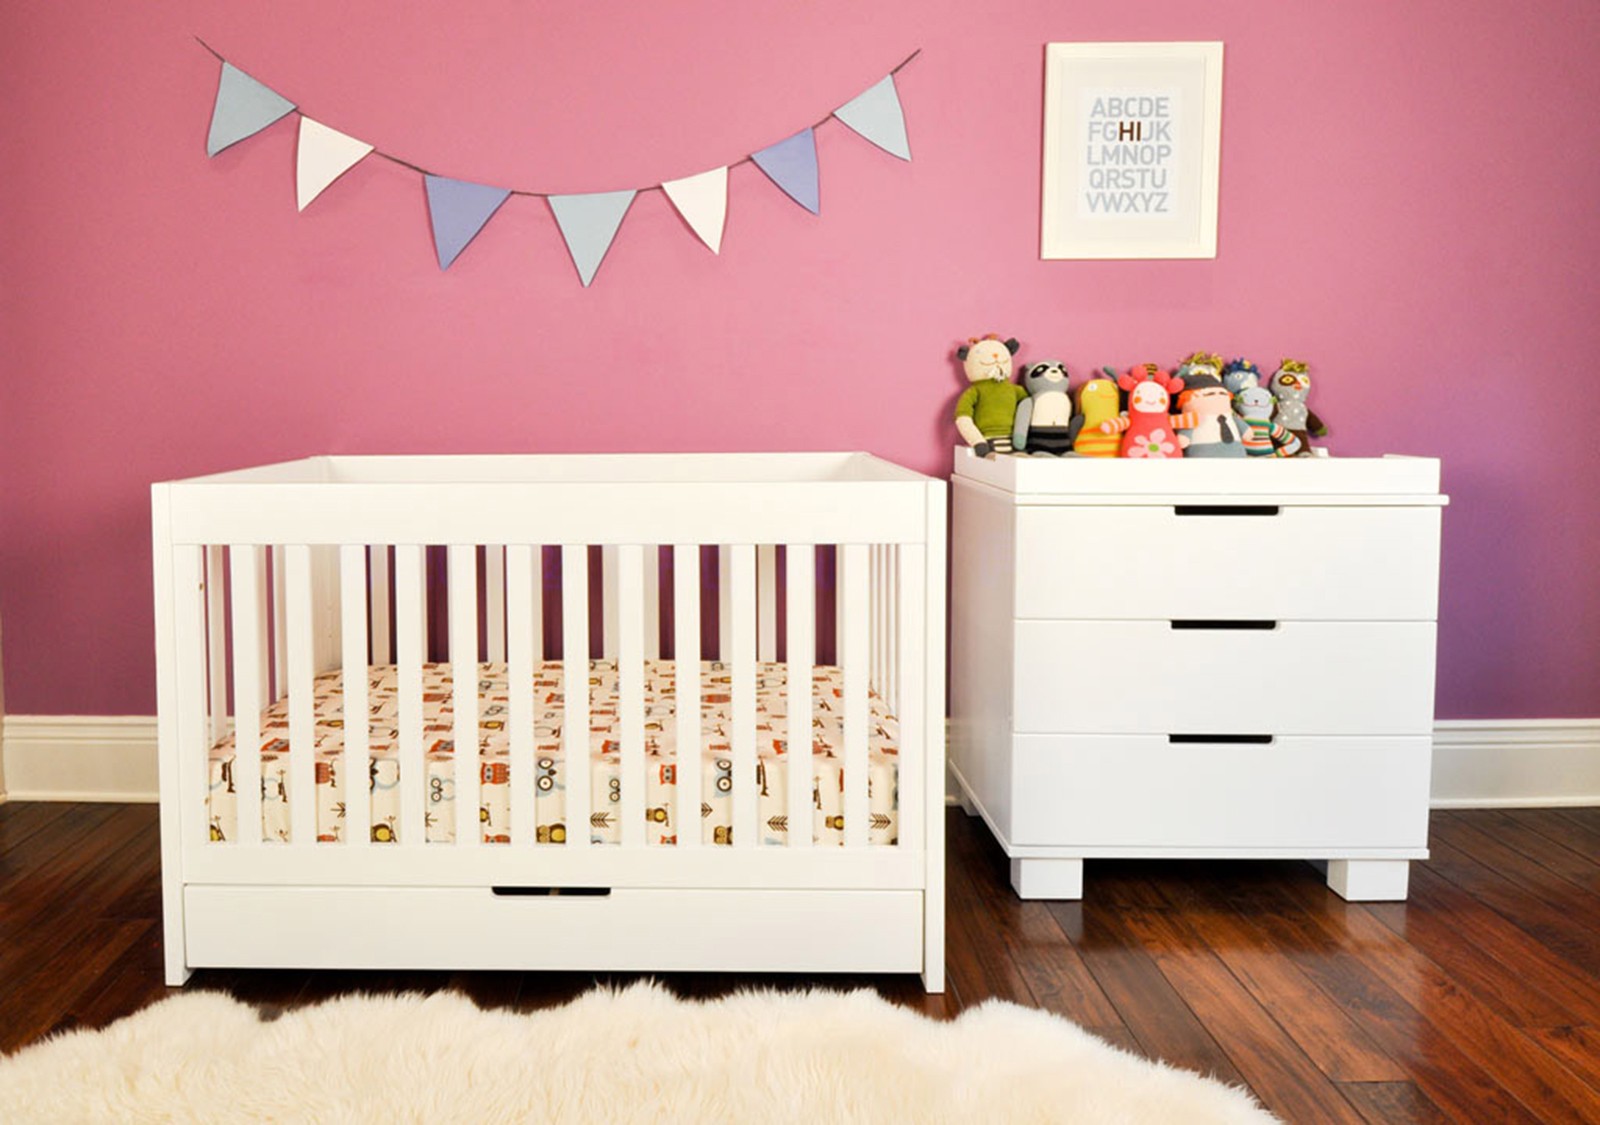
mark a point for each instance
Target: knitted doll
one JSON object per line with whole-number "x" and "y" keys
{"x": 1291, "y": 384}
{"x": 1200, "y": 363}
{"x": 1214, "y": 431}
{"x": 1147, "y": 429}
{"x": 1262, "y": 436}
{"x": 1044, "y": 418}
{"x": 988, "y": 407}
{"x": 1239, "y": 374}
{"x": 1098, "y": 401}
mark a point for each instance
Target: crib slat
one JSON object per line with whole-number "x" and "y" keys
{"x": 767, "y": 602}
{"x": 801, "y": 618}
{"x": 521, "y": 597}
{"x": 630, "y": 690}
{"x": 494, "y": 601}
{"x": 686, "y": 669}
{"x": 854, "y": 621}
{"x": 535, "y": 613}
{"x": 410, "y": 610}
{"x": 652, "y": 603}
{"x": 357, "y": 721}
{"x": 382, "y": 649}
{"x": 249, "y": 686}
{"x": 724, "y": 603}
{"x": 302, "y": 716}
{"x": 608, "y": 602}
{"x": 189, "y": 667}
{"x": 464, "y": 689}
{"x": 893, "y": 641}
{"x": 875, "y": 622}
{"x": 742, "y": 567}
{"x": 216, "y": 646}
{"x": 575, "y": 687}
{"x": 909, "y": 640}
{"x": 280, "y": 629}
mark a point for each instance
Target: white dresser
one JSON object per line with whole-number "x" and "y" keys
{"x": 1207, "y": 659}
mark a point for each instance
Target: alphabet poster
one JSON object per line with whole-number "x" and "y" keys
{"x": 1131, "y": 150}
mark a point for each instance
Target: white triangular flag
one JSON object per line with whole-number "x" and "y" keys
{"x": 703, "y": 202}
{"x": 325, "y": 155}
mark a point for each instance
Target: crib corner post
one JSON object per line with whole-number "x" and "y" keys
{"x": 172, "y": 925}
{"x": 934, "y": 733}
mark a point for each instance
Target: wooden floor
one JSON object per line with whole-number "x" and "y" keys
{"x": 1478, "y": 1000}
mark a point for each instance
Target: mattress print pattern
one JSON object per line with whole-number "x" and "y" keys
{"x": 552, "y": 775}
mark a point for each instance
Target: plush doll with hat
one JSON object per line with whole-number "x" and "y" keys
{"x": 1044, "y": 418}
{"x": 987, "y": 409}
{"x": 1200, "y": 363}
{"x": 1147, "y": 429}
{"x": 1262, "y": 436}
{"x": 1291, "y": 385}
{"x": 1099, "y": 401}
{"x": 1213, "y": 432}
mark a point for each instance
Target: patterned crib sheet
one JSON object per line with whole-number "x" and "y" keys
{"x": 551, "y": 779}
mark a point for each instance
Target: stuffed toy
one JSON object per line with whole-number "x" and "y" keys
{"x": 1291, "y": 385}
{"x": 1239, "y": 374}
{"x": 988, "y": 407}
{"x": 1044, "y": 418}
{"x": 1147, "y": 429}
{"x": 1214, "y": 431}
{"x": 1098, "y": 401}
{"x": 1200, "y": 363}
{"x": 1262, "y": 436}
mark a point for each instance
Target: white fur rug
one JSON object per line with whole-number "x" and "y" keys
{"x": 637, "y": 1055}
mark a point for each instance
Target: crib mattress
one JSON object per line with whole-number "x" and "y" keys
{"x": 605, "y": 775}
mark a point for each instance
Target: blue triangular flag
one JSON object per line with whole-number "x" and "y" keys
{"x": 877, "y": 116}
{"x": 589, "y": 223}
{"x": 792, "y": 165}
{"x": 244, "y": 108}
{"x": 459, "y": 211}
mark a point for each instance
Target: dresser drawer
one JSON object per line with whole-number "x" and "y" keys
{"x": 1297, "y": 794}
{"x": 1155, "y": 677}
{"x": 1234, "y": 560}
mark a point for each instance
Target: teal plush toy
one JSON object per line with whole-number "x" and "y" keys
{"x": 1044, "y": 418}
{"x": 987, "y": 409}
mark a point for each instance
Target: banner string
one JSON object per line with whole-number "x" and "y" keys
{"x": 747, "y": 159}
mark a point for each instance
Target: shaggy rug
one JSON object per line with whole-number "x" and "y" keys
{"x": 635, "y": 1055}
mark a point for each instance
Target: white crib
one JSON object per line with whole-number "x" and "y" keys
{"x": 273, "y": 581}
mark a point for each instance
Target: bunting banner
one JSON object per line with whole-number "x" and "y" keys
{"x": 459, "y": 210}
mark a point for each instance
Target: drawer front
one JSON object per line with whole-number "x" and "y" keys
{"x": 1332, "y": 563}
{"x": 1140, "y": 791}
{"x": 1149, "y": 677}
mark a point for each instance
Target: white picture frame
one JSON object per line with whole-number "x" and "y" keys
{"x": 1132, "y": 141}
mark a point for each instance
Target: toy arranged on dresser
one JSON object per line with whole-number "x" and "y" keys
{"x": 987, "y": 409}
{"x": 1205, "y": 408}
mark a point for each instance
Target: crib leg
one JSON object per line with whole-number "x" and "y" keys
{"x": 1047, "y": 878}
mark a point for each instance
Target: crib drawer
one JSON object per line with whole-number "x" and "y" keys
{"x": 1303, "y": 795}
{"x": 1221, "y": 561}
{"x": 1294, "y": 677}
{"x": 474, "y": 928}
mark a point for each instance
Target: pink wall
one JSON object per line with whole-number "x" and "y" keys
{"x": 1408, "y": 200}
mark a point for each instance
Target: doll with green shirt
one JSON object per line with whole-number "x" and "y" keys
{"x": 987, "y": 409}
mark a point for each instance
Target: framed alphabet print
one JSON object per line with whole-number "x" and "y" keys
{"x": 1132, "y": 136}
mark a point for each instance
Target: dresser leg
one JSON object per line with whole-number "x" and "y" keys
{"x": 1047, "y": 878}
{"x": 1369, "y": 880}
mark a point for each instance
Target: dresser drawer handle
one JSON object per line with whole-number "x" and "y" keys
{"x": 1225, "y": 739}
{"x": 1225, "y": 510}
{"x": 551, "y": 892}
{"x": 1223, "y": 623}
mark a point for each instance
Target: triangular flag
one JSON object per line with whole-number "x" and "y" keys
{"x": 703, "y": 202}
{"x": 792, "y": 165}
{"x": 589, "y": 223}
{"x": 877, "y": 116}
{"x": 459, "y": 211}
{"x": 325, "y": 155}
{"x": 244, "y": 108}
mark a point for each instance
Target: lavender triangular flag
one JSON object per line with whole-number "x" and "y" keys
{"x": 589, "y": 222}
{"x": 244, "y": 107}
{"x": 458, "y": 211}
{"x": 792, "y": 165}
{"x": 877, "y": 116}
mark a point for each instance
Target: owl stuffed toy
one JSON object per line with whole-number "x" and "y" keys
{"x": 1291, "y": 386}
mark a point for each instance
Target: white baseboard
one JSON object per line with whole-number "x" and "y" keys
{"x": 1477, "y": 763}
{"x": 80, "y": 757}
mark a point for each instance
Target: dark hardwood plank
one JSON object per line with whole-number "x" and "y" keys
{"x": 1516, "y": 830}
{"x": 1577, "y": 1047}
{"x": 1393, "y": 1103}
